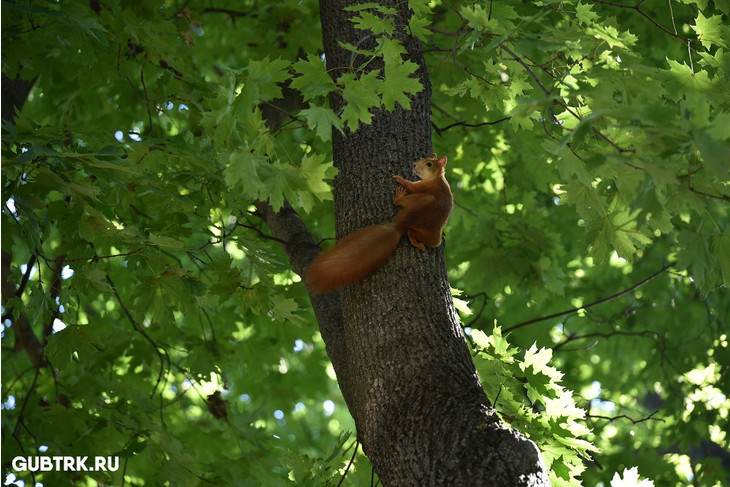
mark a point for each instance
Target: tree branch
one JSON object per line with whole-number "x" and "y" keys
{"x": 25, "y": 337}
{"x": 287, "y": 228}
{"x": 625, "y": 416}
{"x": 644, "y": 334}
{"x": 594, "y": 303}
{"x": 464, "y": 124}
{"x": 637, "y": 8}
{"x": 164, "y": 358}
{"x": 94, "y": 258}
{"x": 14, "y": 93}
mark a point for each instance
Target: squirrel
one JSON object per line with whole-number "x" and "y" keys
{"x": 425, "y": 208}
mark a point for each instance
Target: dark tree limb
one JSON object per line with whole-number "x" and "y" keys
{"x": 25, "y": 337}
{"x": 296, "y": 240}
{"x": 14, "y": 93}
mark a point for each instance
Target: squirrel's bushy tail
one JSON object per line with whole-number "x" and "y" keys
{"x": 353, "y": 257}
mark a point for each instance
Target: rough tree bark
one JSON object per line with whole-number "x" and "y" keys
{"x": 400, "y": 355}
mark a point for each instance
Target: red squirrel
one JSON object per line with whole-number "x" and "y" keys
{"x": 425, "y": 208}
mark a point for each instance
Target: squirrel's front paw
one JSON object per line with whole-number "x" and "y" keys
{"x": 400, "y": 192}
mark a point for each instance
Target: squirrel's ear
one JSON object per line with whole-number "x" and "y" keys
{"x": 442, "y": 162}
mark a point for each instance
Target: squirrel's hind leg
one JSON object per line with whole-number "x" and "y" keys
{"x": 414, "y": 238}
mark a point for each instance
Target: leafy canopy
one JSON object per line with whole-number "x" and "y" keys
{"x": 588, "y": 146}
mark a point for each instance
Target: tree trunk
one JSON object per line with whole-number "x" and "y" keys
{"x": 397, "y": 347}
{"x": 14, "y": 93}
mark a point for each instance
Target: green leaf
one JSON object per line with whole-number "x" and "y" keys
{"x": 712, "y": 30}
{"x": 164, "y": 241}
{"x": 585, "y": 198}
{"x": 74, "y": 339}
{"x": 612, "y": 36}
{"x": 420, "y": 20}
{"x": 267, "y": 74}
{"x": 323, "y": 120}
{"x": 720, "y": 247}
{"x": 282, "y": 180}
{"x": 285, "y": 309}
{"x": 97, "y": 277}
{"x": 397, "y": 83}
{"x": 316, "y": 172}
{"x": 374, "y": 23}
{"x": 391, "y": 50}
{"x": 242, "y": 172}
{"x": 314, "y": 79}
{"x": 585, "y": 13}
{"x": 579, "y": 131}
{"x": 478, "y": 17}
{"x": 82, "y": 19}
{"x": 682, "y": 80}
{"x": 557, "y": 430}
{"x": 360, "y": 96}
{"x": 695, "y": 256}
{"x": 630, "y": 478}
{"x": 715, "y": 154}
{"x": 570, "y": 166}
{"x": 538, "y": 361}
{"x": 481, "y": 338}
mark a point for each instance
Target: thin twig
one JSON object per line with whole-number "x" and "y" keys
{"x": 594, "y": 303}
{"x": 515, "y": 57}
{"x": 352, "y": 460}
{"x": 645, "y": 334}
{"x": 147, "y": 102}
{"x": 26, "y": 276}
{"x": 464, "y": 124}
{"x": 22, "y": 408}
{"x": 637, "y": 8}
{"x": 144, "y": 334}
{"x": 96, "y": 257}
{"x": 625, "y": 416}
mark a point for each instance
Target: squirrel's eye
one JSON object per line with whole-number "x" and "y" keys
{"x": 429, "y": 164}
